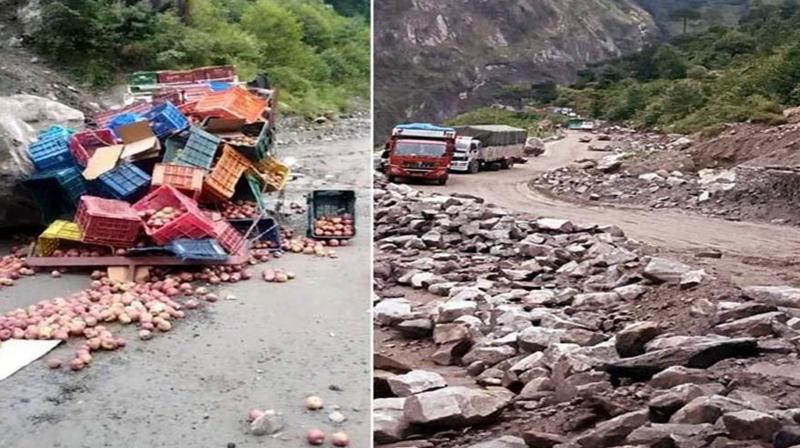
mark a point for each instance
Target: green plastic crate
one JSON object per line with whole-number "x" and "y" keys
{"x": 143, "y": 78}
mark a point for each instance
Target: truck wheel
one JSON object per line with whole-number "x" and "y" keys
{"x": 474, "y": 167}
{"x": 391, "y": 179}
{"x": 511, "y": 163}
{"x": 504, "y": 165}
{"x": 442, "y": 181}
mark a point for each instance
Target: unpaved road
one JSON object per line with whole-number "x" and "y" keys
{"x": 752, "y": 253}
{"x": 192, "y": 387}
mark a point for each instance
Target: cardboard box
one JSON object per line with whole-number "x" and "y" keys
{"x": 138, "y": 143}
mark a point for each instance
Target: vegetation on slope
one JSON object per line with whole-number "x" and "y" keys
{"x": 318, "y": 57}
{"x": 747, "y": 72}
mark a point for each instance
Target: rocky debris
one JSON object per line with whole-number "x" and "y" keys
{"x": 569, "y": 330}
{"x": 749, "y": 175}
{"x": 415, "y": 382}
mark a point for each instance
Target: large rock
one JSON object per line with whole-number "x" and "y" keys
{"x": 456, "y": 406}
{"x": 750, "y": 425}
{"x": 612, "y": 432}
{"x": 20, "y": 117}
{"x": 502, "y": 442}
{"x": 665, "y": 271}
{"x": 388, "y": 423}
{"x": 670, "y": 434}
{"x": 391, "y": 311}
{"x": 631, "y": 340}
{"x": 775, "y": 295}
{"x": 414, "y": 382}
{"x": 678, "y": 375}
{"x": 698, "y": 354}
{"x": 706, "y": 409}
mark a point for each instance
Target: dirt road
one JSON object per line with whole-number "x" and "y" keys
{"x": 752, "y": 253}
{"x": 269, "y": 347}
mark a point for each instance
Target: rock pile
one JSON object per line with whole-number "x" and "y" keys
{"x": 568, "y": 336}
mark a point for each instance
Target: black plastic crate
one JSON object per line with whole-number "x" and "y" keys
{"x": 330, "y": 203}
{"x": 266, "y": 229}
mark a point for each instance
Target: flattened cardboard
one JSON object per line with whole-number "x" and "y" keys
{"x": 103, "y": 159}
{"x": 140, "y": 142}
{"x": 18, "y": 353}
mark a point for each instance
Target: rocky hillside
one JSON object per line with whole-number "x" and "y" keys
{"x": 434, "y": 59}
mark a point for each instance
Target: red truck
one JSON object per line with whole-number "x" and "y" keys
{"x": 420, "y": 151}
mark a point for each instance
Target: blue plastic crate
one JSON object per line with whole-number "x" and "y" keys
{"x": 200, "y": 149}
{"x": 55, "y": 131}
{"x": 72, "y": 182}
{"x": 198, "y": 250}
{"x": 123, "y": 119}
{"x": 51, "y": 153}
{"x": 166, "y": 119}
{"x": 125, "y": 182}
{"x": 56, "y": 192}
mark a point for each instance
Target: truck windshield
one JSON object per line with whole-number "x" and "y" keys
{"x": 420, "y": 149}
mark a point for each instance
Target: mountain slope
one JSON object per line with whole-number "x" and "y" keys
{"x": 435, "y": 58}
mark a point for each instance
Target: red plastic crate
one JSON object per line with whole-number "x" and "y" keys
{"x": 220, "y": 73}
{"x": 193, "y": 224}
{"x": 175, "y": 77}
{"x": 108, "y": 222}
{"x": 83, "y": 144}
{"x": 232, "y": 103}
{"x": 171, "y": 95}
{"x": 228, "y": 237}
{"x": 220, "y": 184}
{"x": 186, "y": 179}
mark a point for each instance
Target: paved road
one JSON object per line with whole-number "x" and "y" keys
{"x": 752, "y": 253}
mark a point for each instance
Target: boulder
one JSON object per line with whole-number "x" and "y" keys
{"x": 785, "y": 296}
{"x": 542, "y": 439}
{"x": 502, "y": 442}
{"x": 706, "y": 409}
{"x": 699, "y": 354}
{"x": 391, "y": 311}
{"x": 631, "y": 340}
{"x": 414, "y": 382}
{"x": 388, "y": 422}
{"x": 787, "y": 437}
{"x": 665, "y": 271}
{"x": 612, "y": 432}
{"x": 21, "y": 116}
{"x": 670, "y": 434}
{"x": 750, "y": 425}
{"x": 456, "y": 406}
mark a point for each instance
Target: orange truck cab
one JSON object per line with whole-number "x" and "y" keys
{"x": 420, "y": 151}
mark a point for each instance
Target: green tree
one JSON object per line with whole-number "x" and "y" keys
{"x": 669, "y": 63}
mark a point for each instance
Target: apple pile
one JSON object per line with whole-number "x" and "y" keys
{"x": 239, "y": 209}
{"x": 339, "y": 226}
{"x": 156, "y": 219}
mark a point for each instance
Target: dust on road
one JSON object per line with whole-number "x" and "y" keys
{"x": 192, "y": 387}
{"x": 752, "y": 252}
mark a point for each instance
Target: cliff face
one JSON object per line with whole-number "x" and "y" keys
{"x": 437, "y": 58}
